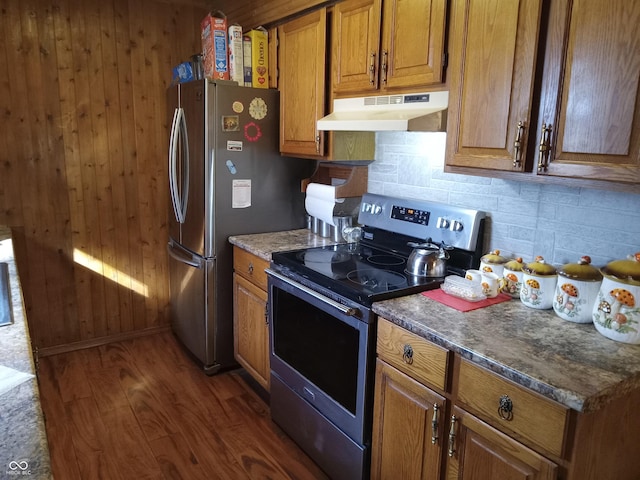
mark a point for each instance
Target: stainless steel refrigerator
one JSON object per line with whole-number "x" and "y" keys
{"x": 226, "y": 177}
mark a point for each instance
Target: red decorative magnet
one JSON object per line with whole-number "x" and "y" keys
{"x": 252, "y": 132}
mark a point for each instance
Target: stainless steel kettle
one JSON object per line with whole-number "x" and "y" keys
{"x": 428, "y": 259}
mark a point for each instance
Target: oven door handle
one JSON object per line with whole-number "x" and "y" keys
{"x": 348, "y": 311}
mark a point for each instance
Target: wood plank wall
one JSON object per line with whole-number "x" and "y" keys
{"x": 83, "y": 141}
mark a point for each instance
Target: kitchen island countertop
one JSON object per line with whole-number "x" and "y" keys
{"x": 567, "y": 362}
{"x": 24, "y": 449}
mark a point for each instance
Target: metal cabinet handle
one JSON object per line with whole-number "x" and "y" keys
{"x": 505, "y": 408}
{"x": 452, "y": 436}
{"x": 383, "y": 67}
{"x": 317, "y": 143}
{"x": 544, "y": 148}
{"x": 517, "y": 147}
{"x": 434, "y": 424}
{"x": 407, "y": 354}
{"x": 251, "y": 268}
{"x": 372, "y": 68}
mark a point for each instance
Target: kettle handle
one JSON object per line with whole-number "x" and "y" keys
{"x": 429, "y": 244}
{"x": 423, "y": 245}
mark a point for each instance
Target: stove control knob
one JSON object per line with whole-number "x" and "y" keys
{"x": 456, "y": 226}
{"x": 366, "y": 207}
{"x": 376, "y": 209}
{"x": 442, "y": 223}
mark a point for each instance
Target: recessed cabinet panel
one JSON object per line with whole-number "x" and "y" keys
{"x": 356, "y": 28}
{"x": 480, "y": 452}
{"x": 301, "y": 66}
{"x": 408, "y": 431}
{"x": 488, "y": 69}
{"x": 593, "y": 112}
{"x": 494, "y": 47}
{"x": 412, "y": 43}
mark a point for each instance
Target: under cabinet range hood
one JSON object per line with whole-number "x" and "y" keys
{"x": 423, "y": 112}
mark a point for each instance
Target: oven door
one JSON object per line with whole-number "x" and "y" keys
{"x": 322, "y": 354}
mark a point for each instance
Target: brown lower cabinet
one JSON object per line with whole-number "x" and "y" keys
{"x": 438, "y": 416}
{"x": 408, "y": 427}
{"x": 250, "y": 319}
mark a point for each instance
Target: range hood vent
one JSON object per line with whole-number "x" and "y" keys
{"x": 424, "y": 112}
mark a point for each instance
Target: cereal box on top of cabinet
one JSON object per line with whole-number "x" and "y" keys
{"x": 214, "y": 46}
{"x": 259, "y": 57}
{"x": 236, "y": 61}
{"x": 246, "y": 49}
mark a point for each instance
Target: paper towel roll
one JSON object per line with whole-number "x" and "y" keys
{"x": 320, "y": 201}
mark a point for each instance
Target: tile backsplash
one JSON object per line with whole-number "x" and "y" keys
{"x": 525, "y": 219}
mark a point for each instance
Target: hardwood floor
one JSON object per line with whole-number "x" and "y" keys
{"x": 141, "y": 409}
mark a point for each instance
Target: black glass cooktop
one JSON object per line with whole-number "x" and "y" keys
{"x": 362, "y": 273}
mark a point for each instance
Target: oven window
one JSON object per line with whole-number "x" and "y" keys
{"x": 319, "y": 346}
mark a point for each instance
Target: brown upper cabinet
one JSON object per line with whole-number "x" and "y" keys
{"x": 590, "y": 101}
{"x": 301, "y": 81}
{"x": 492, "y": 70}
{"x": 395, "y": 44}
{"x": 580, "y": 122}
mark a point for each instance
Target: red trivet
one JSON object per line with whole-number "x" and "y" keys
{"x": 463, "y": 305}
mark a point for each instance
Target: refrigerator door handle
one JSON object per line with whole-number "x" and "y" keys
{"x": 173, "y": 187}
{"x": 178, "y": 130}
{"x": 183, "y": 256}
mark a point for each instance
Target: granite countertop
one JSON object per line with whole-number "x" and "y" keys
{"x": 263, "y": 244}
{"x": 24, "y": 450}
{"x": 567, "y": 362}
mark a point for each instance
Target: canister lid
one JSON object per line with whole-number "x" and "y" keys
{"x": 625, "y": 271}
{"x": 583, "y": 270}
{"x": 514, "y": 265}
{"x": 494, "y": 258}
{"x": 539, "y": 267}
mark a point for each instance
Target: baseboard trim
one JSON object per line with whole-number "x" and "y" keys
{"x": 95, "y": 342}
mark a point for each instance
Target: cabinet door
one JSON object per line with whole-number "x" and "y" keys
{"x": 250, "y": 329}
{"x": 408, "y": 429}
{"x": 590, "y": 98}
{"x": 493, "y": 63}
{"x": 480, "y": 452}
{"x": 413, "y": 43}
{"x": 355, "y": 44}
{"x": 301, "y": 67}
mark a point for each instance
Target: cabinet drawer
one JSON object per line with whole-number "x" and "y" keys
{"x": 510, "y": 407}
{"x": 411, "y": 354}
{"x": 250, "y": 267}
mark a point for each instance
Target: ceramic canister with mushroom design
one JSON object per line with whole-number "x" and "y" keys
{"x": 538, "y": 284}
{"x": 577, "y": 290}
{"x": 493, "y": 262}
{"x": 512, "y": 277}
{"x": 616, "y": 312}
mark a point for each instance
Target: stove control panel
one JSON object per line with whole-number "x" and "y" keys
{"x": 412, "y": 215}
{"x": 455, "y": 226}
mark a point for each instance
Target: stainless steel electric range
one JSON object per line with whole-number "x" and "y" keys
{"x": 322, "y": 328}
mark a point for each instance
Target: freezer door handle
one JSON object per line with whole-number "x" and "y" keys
{"x": 184, "y": 256}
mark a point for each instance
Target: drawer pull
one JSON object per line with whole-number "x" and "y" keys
{"x": 452, "y": 436}
{"x": 505, "y": 408}
{"x": 407, "y": 354}
{"x": 434, "y": 424}
{"x": 250, "y": 267}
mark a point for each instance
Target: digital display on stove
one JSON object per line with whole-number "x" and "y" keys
{"x": 412, "y": 215}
